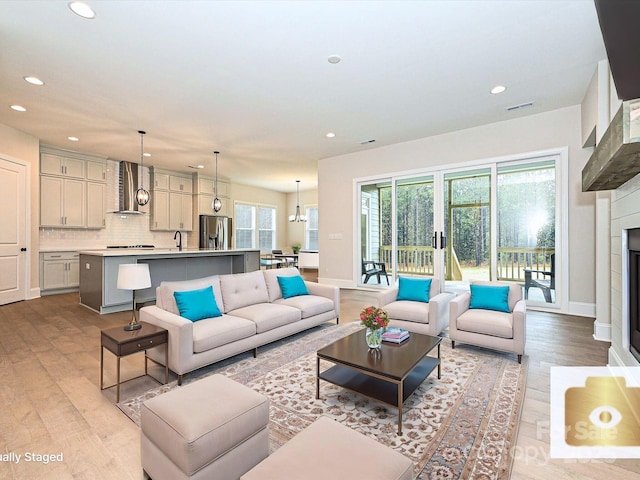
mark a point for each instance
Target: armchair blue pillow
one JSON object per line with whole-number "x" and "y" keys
{"x": 490, "y": 297}
{"x": 196, "y": 305}
{"x": 292, "y": 286}
{"x": 416, "y": 289}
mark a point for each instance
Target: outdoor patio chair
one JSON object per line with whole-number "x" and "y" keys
{"x": 370, "y": 268}
{"x": 544, "y": 284}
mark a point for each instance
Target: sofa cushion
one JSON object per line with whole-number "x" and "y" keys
{"x": 292, "y": 286}
{"x": 164, "y": 293}
{"x": 486, "y": 322}
{"x": 214, "y": 332}
{"x": 515, "y": 290}
{"x": 268, "y": 316}
{"x": 271, "y": 279}
{"x": 408, "y": 310}
{"x": 415, "y": 289}
{"x": 309, "y": 305}
{"x": 490, "y": 297}
{"x": 198, "y": 304}
{"x": 243, "y": 289}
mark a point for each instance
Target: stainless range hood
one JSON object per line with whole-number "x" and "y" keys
{"x": 616, "y": 158}
{"x": 127, "y": 186}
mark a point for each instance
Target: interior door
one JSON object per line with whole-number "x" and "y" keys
{"x": 13, "y": 232}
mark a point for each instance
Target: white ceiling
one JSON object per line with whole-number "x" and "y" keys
{"x": 251, "y": 78}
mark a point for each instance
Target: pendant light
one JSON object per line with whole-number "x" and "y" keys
{"x": 297, "y": 217}
{"x": 216, "y": 204}
{"x": 142, "y": 195}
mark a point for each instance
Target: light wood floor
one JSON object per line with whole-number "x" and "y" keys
{"x": 52, "y": 404}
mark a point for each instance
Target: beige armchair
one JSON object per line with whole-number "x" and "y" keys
{"x": 490, "y": 328}
{"x": 420, "y": 317}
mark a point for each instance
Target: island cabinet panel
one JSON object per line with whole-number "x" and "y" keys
{"x": 99, "y": 272}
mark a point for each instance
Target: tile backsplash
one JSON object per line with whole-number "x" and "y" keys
{"x": 131, "y": 230}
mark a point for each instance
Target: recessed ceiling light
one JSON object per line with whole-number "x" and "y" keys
{"x": 330, "y": 135}
{"x": 334, "y": 59}
{"x": 82, "y": 9}
{"x": 146, "y": 154}
{"x": 73, "y": 139}
{"x": 498, "y": 89}
{"x": 18, "y": 108}
{"x": 34, "y": 80}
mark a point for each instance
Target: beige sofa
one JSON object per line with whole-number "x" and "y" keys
{"x": 254, "y": 313}
{"x": 420, "y": 317}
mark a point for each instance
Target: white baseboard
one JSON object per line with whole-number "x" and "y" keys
{"x": 582, "y": 309}
{"x": 614, "y": 359}
{"x": 602, "y": 331}
{"x": 34, "y": 293}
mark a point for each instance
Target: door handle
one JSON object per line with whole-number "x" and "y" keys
{"x": 23, "y": 249}
{"x": 434, "y": 240}
{"x": 443, "y": 241}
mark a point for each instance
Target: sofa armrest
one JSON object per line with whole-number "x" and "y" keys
{"x": 180, "y": 335}
{"x": 385, "y": 297}
{"x": 439, "y": 310}
{"x": 519, "y": 320}
{"x": 328, "y": 291}
{"x": 457, "y": 307}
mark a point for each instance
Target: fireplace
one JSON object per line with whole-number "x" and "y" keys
{"x": 633, "y": 242}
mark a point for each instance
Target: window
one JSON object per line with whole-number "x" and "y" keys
{"x": 255, "y": 225}
{"x": 311, "y": 240}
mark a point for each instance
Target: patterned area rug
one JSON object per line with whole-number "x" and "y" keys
{"x": 461, "y": 426}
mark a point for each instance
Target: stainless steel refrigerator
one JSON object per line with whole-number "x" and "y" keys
{"x": 215, "y": 232}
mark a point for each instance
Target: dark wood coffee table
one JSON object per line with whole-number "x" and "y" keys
{"x": 390, "y": 375}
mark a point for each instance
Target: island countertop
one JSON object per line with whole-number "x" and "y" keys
{"x": 171, "y": 252}
{"x": 99, "y": 271}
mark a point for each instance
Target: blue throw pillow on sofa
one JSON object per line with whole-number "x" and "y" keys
{"x": 416, "y": 289}
{"x": 490, "y": 297}
{"x": 292, "y": 286}
{"x": 196, "y": 305}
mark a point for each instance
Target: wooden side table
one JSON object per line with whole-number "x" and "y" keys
{"x": 122, "y": 343}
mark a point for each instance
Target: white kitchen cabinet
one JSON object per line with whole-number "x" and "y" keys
{"x": 206, "y": 185}
{"x": 63, "y": 166}
{"x": 180, "y": 212}
{"x": 62, "y": 202}
{"x": 160, "y": 181}
{"x": 60, "y": 271}
{"x": 180, "y": 184}
{"x": 205, "y": 208}
{"x": 96, "y": 171}
{"x": 96, "y": 205}
{"x": 159, "y": 210}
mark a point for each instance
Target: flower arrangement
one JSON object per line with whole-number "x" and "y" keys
{"x": 374, "y": 318}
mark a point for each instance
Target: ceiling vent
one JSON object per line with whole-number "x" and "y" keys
{"x": 367, "y": 142}
{"x": 520, "y": 107}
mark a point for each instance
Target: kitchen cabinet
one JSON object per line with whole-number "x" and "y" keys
{"x": 62, "y": 202}
{"x": 205, "y": 208}
{"x": 96, "y": 205}
{"x": 206, "y": 185}
{"x": 172, "y": 202}
{"x": 51, "y": 164}
{"x": 180, "y": 212}
{"x": 60, "y": 272}
{"x": 72, "y": 189}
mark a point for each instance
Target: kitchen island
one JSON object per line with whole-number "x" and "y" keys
{"x": 99, "y": 272}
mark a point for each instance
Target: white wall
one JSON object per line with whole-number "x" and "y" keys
{"x": 558, "y": 128}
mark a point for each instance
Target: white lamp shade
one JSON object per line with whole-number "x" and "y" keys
{"x": 133, "y": 276}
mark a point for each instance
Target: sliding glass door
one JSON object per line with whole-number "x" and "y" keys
{"x": 492, "y": 222}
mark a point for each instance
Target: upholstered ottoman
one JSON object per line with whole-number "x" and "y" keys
{"x": 213, "y": 428}
{"x": 329, "y": 450}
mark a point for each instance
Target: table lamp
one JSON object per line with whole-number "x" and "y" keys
{"x": 133, "y": 276}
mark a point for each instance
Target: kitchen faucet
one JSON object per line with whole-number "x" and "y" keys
{"x": 179, "y": 235}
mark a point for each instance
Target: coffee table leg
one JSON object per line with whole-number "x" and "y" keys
{"x": 400, "y": 395}
{"x": 317, "y": 378}
{"x": 439, "y": 363}
{"x": 166, "y": 363}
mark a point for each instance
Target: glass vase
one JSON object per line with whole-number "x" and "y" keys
{"x": 374, "y": 337}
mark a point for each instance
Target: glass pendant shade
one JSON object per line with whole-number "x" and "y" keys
{"x": 142, "y": 195}
{"x": 297, "y": 217}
